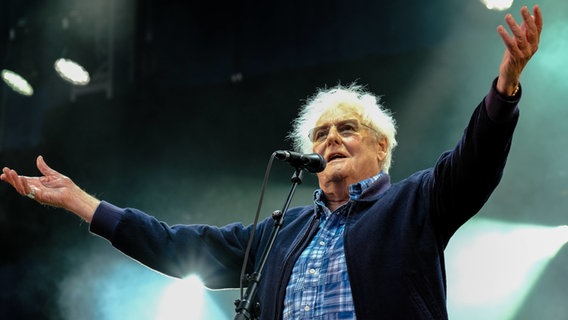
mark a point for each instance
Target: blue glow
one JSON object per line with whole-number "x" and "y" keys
{"x": 130, "y": 291}
{"x": 492, "y": 266}
{"x": 105, "y": 288}
{"x": 551, "y": 59}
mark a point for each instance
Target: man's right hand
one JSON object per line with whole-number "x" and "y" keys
{"x": 54, "y": 189}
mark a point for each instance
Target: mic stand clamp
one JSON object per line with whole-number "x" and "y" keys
{"x": 244, "y": 307}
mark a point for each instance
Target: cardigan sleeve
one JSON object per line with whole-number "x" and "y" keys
{"x": 501, "y": 108}
{"x": 215, "y": 253}
{"x": 464, "y": 178}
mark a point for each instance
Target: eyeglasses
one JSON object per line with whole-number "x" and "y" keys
{"x": 345, "y": 128}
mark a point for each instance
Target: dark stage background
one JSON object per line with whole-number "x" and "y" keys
{"x": 200, "y": 93}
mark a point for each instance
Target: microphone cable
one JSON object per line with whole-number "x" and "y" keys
{"x": 257, "y": 215}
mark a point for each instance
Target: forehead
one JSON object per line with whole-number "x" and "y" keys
{"x": 338, "y": 113}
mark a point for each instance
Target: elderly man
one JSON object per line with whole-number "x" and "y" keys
{"x": 367, "y": 248}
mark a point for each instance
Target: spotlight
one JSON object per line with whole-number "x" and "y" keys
{"x": 72, "y": 71}
{"x": 19, "y": 69}
{"x": 79, "y": 54}
{"x": 21, "y": 75}
{"x": 83, "y": 47}
{"x": 184, "y": 297}
{"x": 499, "y": 5}
{"x": 76, "y": 63}
{"x": 17, "y": 82}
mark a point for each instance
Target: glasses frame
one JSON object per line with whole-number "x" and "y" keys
{"x": 358, "y": 125}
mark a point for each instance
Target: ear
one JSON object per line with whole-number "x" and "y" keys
{"x": 382, "y": 148}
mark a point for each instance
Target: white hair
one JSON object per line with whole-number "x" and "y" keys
{"x": 355, "y": 97}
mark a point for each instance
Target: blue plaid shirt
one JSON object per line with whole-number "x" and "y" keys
{"x": 319, "y": 286}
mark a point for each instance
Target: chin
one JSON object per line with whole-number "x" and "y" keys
{"x": 332, "y": 175}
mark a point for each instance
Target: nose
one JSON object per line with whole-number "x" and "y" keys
{"x": 333, "y": 135}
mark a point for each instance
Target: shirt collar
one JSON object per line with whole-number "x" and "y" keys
{"x": 355, "y": 191}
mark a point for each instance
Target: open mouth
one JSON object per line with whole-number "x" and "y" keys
{"x": 335, "y": 156}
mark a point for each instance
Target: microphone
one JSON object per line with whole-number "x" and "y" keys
{"x": 312, "y": 162}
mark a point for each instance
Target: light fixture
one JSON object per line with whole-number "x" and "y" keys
{"x": 19, "y": 70}
{"x": 80, "y": 57}
{"x": 85, "y": 47}
{"x": 20, "y": 74}
{"x": 76, "y": 61}
{"x": 72, "y": 71}
{"x": 17, "y": 82}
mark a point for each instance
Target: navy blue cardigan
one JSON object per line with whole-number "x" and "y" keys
{"x": 395, "y": 235}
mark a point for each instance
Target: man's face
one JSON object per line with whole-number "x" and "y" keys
{"x": 352, "y": 150}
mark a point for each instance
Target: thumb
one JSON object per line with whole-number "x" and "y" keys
{"x": 44, "y": 168}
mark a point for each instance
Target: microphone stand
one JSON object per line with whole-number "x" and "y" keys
{"x": 244, "y": 307}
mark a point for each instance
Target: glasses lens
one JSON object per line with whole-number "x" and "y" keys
{"x": 345, "y": 128}
{"x": 318, "y": 133}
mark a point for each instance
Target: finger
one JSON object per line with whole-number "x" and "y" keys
{"x": 24, "y": 185}
{"x": 7, "y": 177}
{"x": 538, "y": 18}
{"x": 44, "y": 168}
{"x": 518, "y": 33}
{"x": 17, "y": 182}
{"x": 528, "y": 19}
{"x": 3, "y": 176}
{"x": 11, "y": 178}
{"x": 507, "y": 39}
{"x": 29, "y": 186}
{"x": 20, "y": 183}
{"x": 529, "y": 26}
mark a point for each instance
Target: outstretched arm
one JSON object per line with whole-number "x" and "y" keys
{"x": 54, "y": 189}
{"x": 520, "y": 47}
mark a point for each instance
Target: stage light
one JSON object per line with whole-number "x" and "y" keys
{"x": 19, "y": 69}
{"x": 493, "y": 265}
{"x": 72, "y": 71}
{"x": 184, "y": 299}
{"x": 85, "y": 48}
{"x": 499, "y": 5}
{"x": 17, "y": 82}
{"x": 76, "y": 62}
